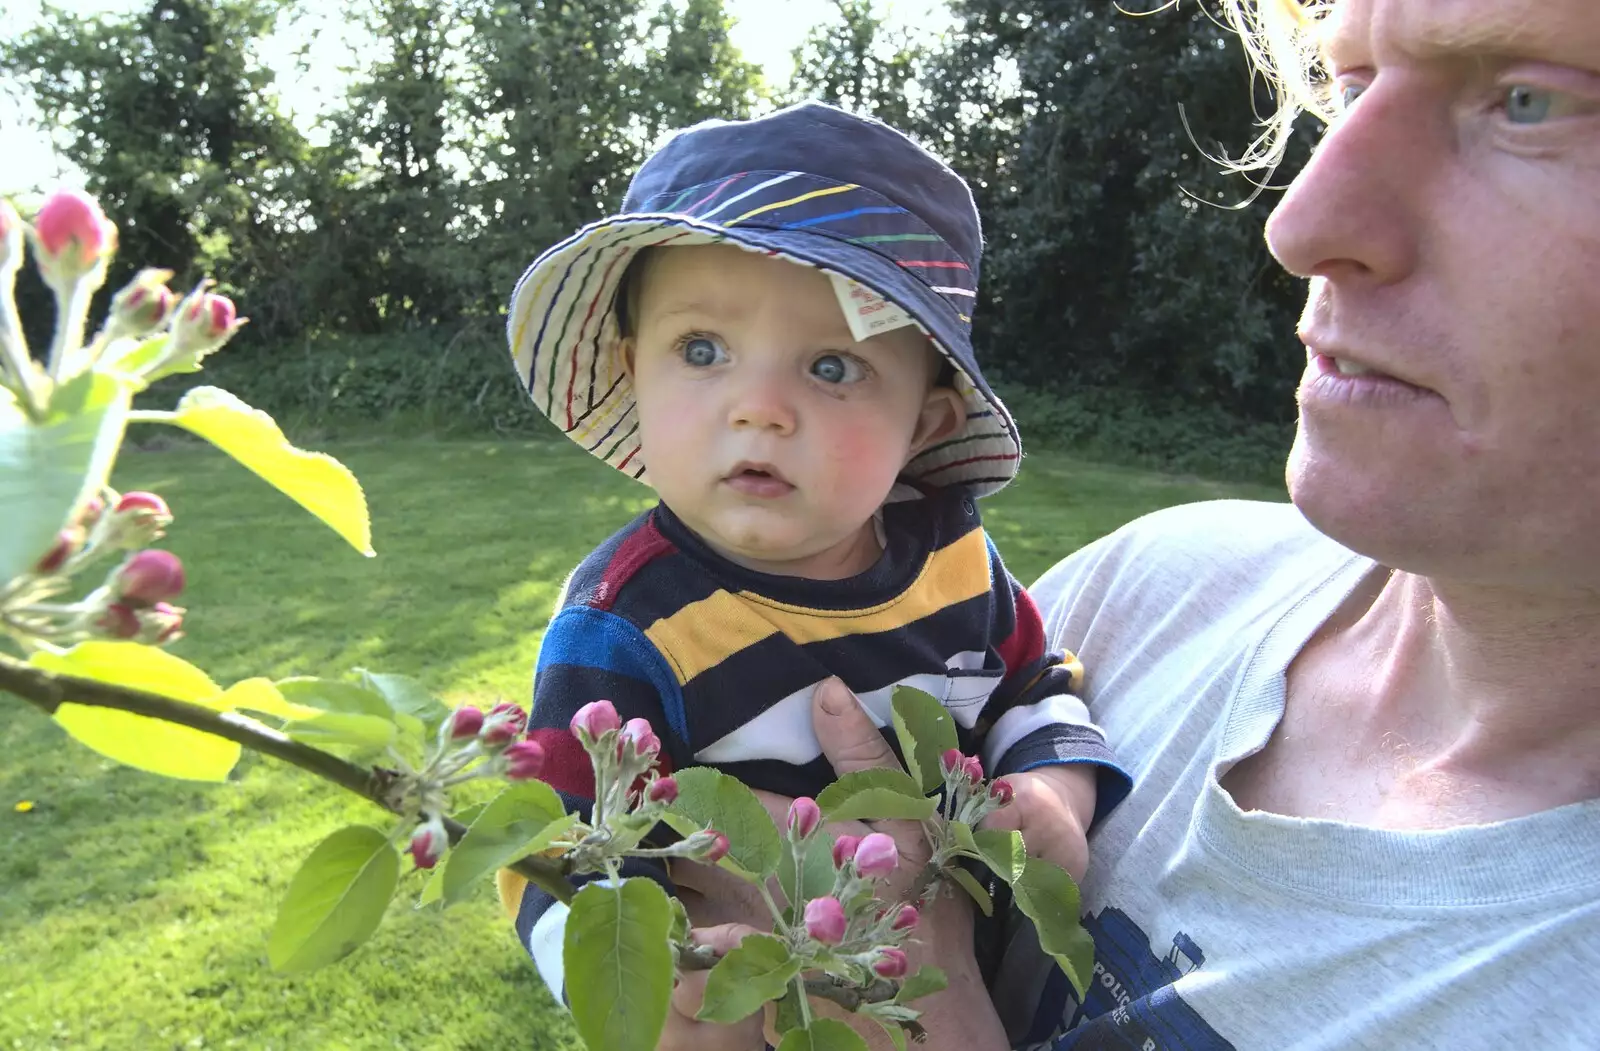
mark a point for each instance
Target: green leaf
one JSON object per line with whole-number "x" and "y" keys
{"x": 824, "y": 1034}
{"x": 788, "y": 1016}
{"x": 870, "y": 795}
{"x": 897, "y": 1036}
{"x": 139, "y": 741}
{"x": 816, "y": 869}
{"x": 926, "y": 731}
{"x": 756, "y": 970}
{"x": 925, "y": 982}
{"x": 618, "y": 964}
{"x": 349, "y": 714}
{"x": 406, "y": 697}
{"x": 1002, "y": 850}
{"x": 708, "y": 798}
{"x": 1047, "y": 895}
{"x": 521, "y": 820}
{"x": 50, "y": 468}
{"x": 319, "y": 483}
{"x": 363, "y": 733}
{"x": 961, "y": 832}
{"x": 335, "y": 901}
{"x": 969, "y": 883}
{"x": 680, "y": 922}
{"x": 129, "y": 358}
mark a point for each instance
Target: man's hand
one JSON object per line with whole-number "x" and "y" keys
{"x": 1052, "y": 810}
{"x": 683, "y": 1032}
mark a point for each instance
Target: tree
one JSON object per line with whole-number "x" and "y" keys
{"x": 1114, "y": 256}
{"x": 383, "y": 195}
{"x": 569, "y": 95}
{"x": 858, "y": 64}
{"x": 171, "y": 115}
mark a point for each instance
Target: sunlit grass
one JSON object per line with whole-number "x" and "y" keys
{"x": 134, "y": 911}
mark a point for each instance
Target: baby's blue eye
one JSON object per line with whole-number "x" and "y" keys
{"x": 836, "y": 368}
{"x": 1348, "y": 93}
{"x": 1525, "y": 105}
{"x": 702, "y": 351}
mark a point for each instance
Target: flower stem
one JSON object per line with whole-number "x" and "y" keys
{"x": 804, "y": 1001}
{"x": 72, "y": 308}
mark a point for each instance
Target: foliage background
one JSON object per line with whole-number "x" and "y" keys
{"x": 1129, "y": 311}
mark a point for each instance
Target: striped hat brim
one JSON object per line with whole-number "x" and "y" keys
{"x": 565, "y": 340}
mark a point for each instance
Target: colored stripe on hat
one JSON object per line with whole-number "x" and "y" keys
{"x": 819, "y": 220}
{"x": 757, "y": 188}
{"x": 793, "y": 200}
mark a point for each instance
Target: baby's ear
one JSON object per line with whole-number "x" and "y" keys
{"x": 625, "y": 349}
{"x": 944, "y": 415}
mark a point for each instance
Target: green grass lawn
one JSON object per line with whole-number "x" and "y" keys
{"x": 134, "y": 911}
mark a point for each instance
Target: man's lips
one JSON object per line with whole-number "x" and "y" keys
{"x": 758, "y": 479}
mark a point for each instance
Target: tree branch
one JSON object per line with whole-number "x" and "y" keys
{"x": 48, "y": 691}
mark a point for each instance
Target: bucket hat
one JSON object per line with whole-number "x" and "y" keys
{"x": 811, "y": 184}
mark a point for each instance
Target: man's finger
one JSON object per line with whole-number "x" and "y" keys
{"x": 849, "y": 739}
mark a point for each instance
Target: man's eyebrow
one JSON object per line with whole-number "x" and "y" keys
{"x": 1495, "y": 32}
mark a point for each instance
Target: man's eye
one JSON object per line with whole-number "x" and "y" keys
{"x": 837, "y": 368}
{"x": 1525, "y": 105}
{"x": 1348, "y": 93}
{"x": 702, "y": 351}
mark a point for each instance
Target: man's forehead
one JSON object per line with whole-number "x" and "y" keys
{"x": 1560, "y": 31}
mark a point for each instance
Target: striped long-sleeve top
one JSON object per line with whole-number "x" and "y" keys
{"x": 723, "y": 661}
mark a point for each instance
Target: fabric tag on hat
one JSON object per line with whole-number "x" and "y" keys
{"x": 867, "y": 313}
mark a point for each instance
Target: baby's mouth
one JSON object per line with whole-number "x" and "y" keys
{"x": 758, "y": 479}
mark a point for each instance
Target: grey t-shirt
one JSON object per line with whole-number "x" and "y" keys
{"x": 1217, "y": 928}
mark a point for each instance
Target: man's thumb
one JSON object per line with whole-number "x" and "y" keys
{"x": 849, "y": 739}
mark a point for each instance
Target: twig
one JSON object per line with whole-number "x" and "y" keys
{"x": 48, "y": 691}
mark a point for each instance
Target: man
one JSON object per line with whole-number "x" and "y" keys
{"x": 1365, "y": 731}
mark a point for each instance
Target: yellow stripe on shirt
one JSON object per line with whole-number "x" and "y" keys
{"x": 703, "y": 634}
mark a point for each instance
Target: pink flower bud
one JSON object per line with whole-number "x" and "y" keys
{"x": 118, "y": 622}
{"x": 1001, "y": 791}
{"x": 595, "y": 719}
{"x": 825, "y": 920}
{"x": 148, "y": 577}
{"x": 877, "y": 855}
{"x": 160, "y": 624}
{"x": 93, "y": 508}
{"x": 718, "y": 848}
{"x": 844, "y": 848}
{"x": 951, "y": 759}
{"x": 906, "y": 919}
{"x": 524, "y": 761}
{"x": 68, "y": 541}
{"x": 72, "y": 233}
{"x": 465, "y": 722}
{"x": 639, "y": 734}
{"x": 143, "y": 304}
{"x": 504, "y": 723}
{"x": 204, "y": 320}
{"x": 804, "y": 817}
{"x": 663, "y": 790}
{"x": 973, "y": 768}
{"x": 891, "y": 963}
{"x": 143, "y": 504}
{"x": 428, "y": 844}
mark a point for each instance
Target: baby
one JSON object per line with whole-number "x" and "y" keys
{"x": 774, "y": 335}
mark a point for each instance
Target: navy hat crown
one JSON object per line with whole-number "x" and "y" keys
{"x": 821, "y": 141}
